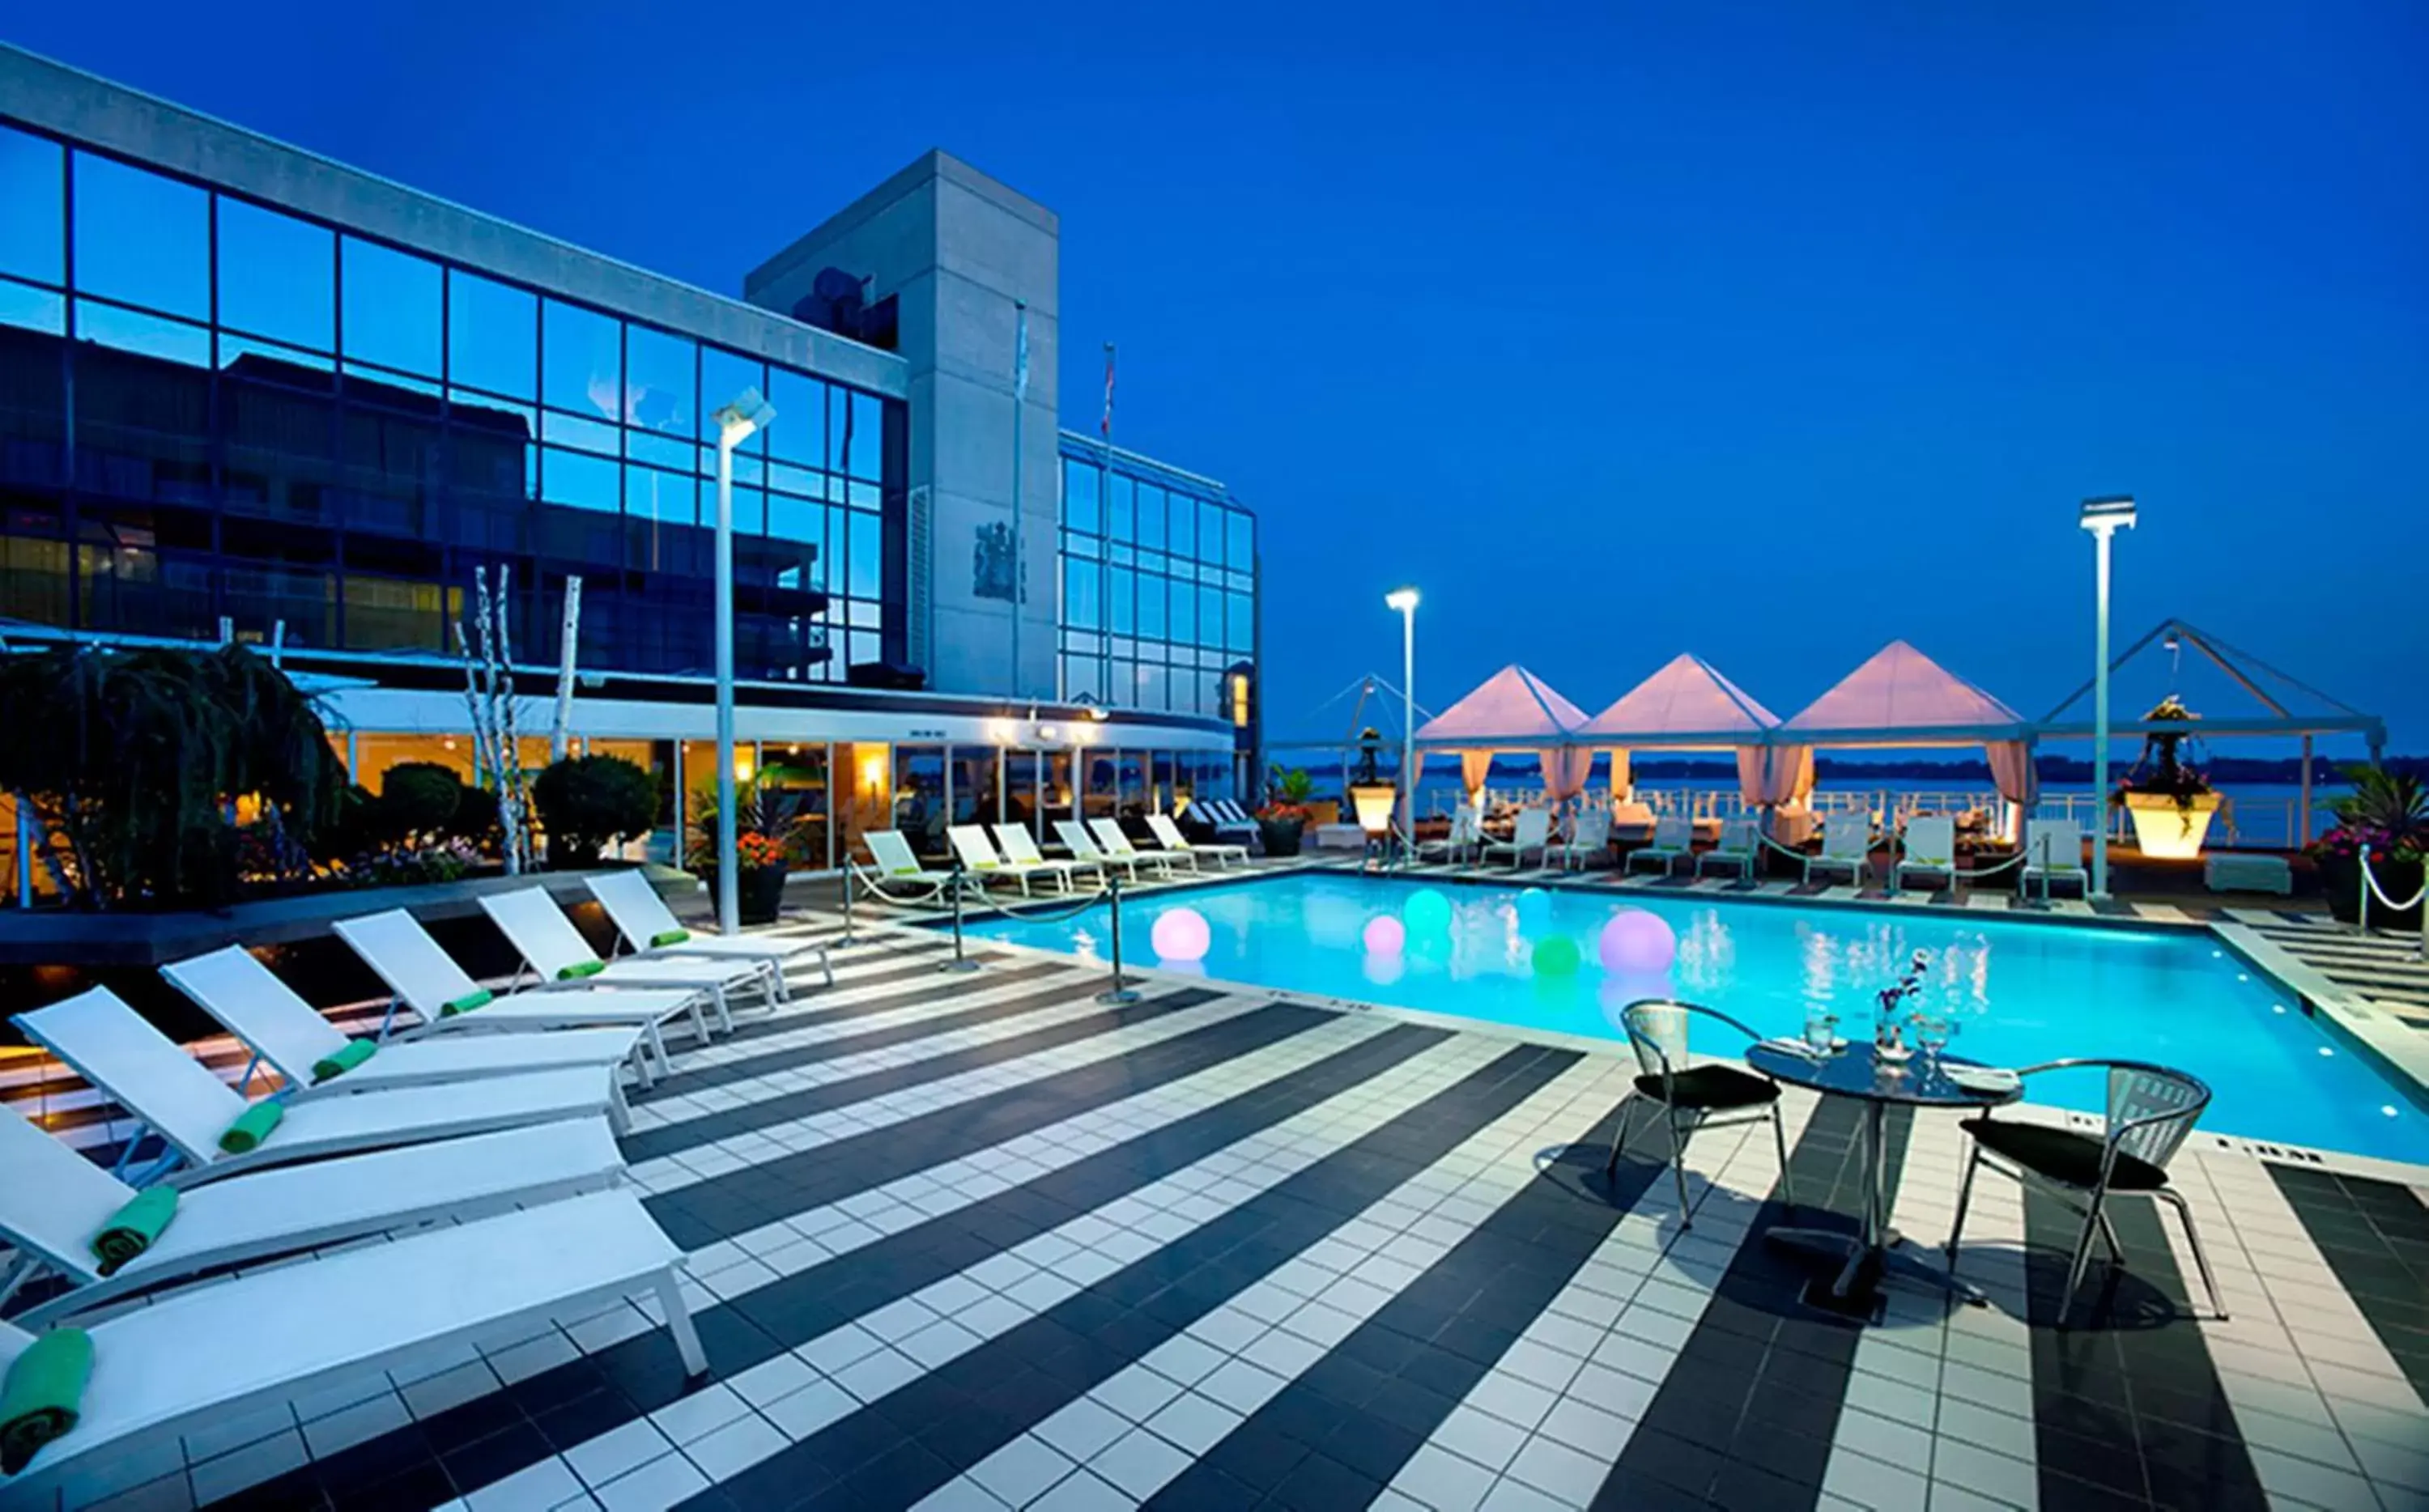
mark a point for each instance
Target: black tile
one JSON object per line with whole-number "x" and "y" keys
{"x": 1319, "y": 1484}
{"x": 518, "y": 1446}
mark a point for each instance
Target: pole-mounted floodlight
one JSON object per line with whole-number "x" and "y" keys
{"x": 736, "y": 422}
{"x": 2104, "y": 517}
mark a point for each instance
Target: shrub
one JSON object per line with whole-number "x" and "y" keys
{"x": 419, "y": 799}
{"x": 587, "y": 803}
{"x": 476, "y": 821}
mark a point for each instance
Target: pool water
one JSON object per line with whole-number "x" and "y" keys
{"x": 2018, "y": 992}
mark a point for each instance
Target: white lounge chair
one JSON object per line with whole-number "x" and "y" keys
{"x": 1740, "y": 845}
{"x": 651, "y": 932}
{"x": 55, "y": 1203}
{"x": 1927, "y": 846}
{"x": 427, "y": 980}
{"x": 1084, "y": 847}
{"x": 1168, "y": 835}
{"x": 1225, "y": 816}
{"x": 1117, "y": 842}
{"x": 1467, "y": 833}
{"x": 1674, "y": 835}
{"x": 979, "y": 860}
{"x": 1020, "y": 849}
{"x": 134, "y": 1065}
{"x": 315, "y": 1058}
{"x": 2053, "y": 853}
{"x": 1846, "y": 845}
{"x": 1531, "y": 830}
{"x": 555, "y": 952}
{"x": 219, "y": 1352}
{"x": 1589, "y": 842}
{"x": 897, "y": 868}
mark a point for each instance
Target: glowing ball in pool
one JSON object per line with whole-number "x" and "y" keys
{"x": 1637, "y": 944}
{"x": 1427, "y": 913}
{"x": 1384, "y": 936}
{"x": 1534, "y": 906}
{"x": 1556, "y": 957}
{"x": 1180, "y": 934}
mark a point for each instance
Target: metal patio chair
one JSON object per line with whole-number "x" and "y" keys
{"x": 1691, "y": 1096}
{"x": 2151, "y": 1111}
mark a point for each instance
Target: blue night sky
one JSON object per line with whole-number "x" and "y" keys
{"x": 1769, "y": 332}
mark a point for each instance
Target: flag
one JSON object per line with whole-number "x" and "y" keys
{"x": 1020, "y": 354}
{"x": 1106, "y": 426}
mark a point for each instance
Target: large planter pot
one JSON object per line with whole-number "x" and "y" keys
{"x": 2168, "y": 827}
{"x": 761, "y": 895}
{"x": 1281, "y": 837}
{"x": 2340, "y": 880}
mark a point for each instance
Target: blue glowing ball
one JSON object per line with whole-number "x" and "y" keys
{"x": 1427, "y": 913}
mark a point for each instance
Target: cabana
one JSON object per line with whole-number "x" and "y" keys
{"x": 1903, "y": 699}
{"x": 1512, "y": 710}
{"x": 1688, "y": 705}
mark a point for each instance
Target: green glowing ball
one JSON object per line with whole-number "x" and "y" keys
{"x": 1556, "y": 957}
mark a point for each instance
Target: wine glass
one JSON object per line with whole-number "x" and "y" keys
{"x": 1931, "y": 1032}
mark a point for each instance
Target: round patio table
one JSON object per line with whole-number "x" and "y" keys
{"x": 1854, "y": 1070}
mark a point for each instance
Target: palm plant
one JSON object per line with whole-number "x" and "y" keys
{"x": 2385, "y": 812}
{"x": 136, "y": 759}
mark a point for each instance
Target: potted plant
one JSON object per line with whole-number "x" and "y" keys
{"x": 2384, "y": 819}
{"x": 588, "y": 804}
{"x": 2170, "y": 803}
{"x": 767, "y": 823}
{"x": 1282, "y": 821}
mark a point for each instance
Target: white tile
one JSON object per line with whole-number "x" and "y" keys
{"x": 875, "y": 1376}
{"x": 1445, "y": 1481}
{"x": 655, "y": 1486}
{"x": 689, "y": 1417}
{"x": 249, "y": 1466}
{"x": 533, "y": 1488}
{"x": 348, "y": 1427}
{"x": 618, "y": 1452}
{"x": 801, "y": 1413}
{"x": 1559, "y": 1472}
{"x": 1488, "y": 1440}
{"x": 1022, "y": 1469}
{"x": 1195, "y": 1423}
{"x": 1083, "y": 1428}
{"x": 737, "y": 1446}
{"x": 1139, "y": 1463}
{"x": 1993, "y": 1476}
{"x": 770, "y": 1379}
{"x": 1137, "y": 1392}
{"x": 1082, "y": 1492}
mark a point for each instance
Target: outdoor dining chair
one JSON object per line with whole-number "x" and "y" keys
{"x": 2152, "y": 1110}
{"x": 1712, "y": 1095}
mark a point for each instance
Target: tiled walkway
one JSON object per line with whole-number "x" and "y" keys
{"x": 979, "y": 1242}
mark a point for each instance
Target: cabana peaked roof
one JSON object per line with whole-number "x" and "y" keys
{"x": 1687, "y": 703}
{"x": 1514, "y": 708}
{"x": 1903, "y": 698}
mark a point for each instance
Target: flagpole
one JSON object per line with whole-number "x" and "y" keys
{"x": 1105, "y": 515}
{"x": 1019, "y": 402}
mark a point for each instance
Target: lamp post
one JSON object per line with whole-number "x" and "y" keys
{"x": 2104, "y": 517}
{"x": 1405, "y": 601}
{"x": 749, "y": 412}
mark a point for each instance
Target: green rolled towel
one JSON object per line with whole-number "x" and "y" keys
{"x": 904, "y": 871}
{"x": 43, "y": 1395}
{"x": 580, "y": 969}
{"x": 251, "y": 1126}
{"x": 477, "y": 998}
{"x": 132, "y": 1229}
{"x": 667, "y": 937}
{"x": 355, "y": 1054}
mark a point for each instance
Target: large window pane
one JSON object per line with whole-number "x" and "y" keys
{"x": 1242, "y": 552}
{"x": 142, "y": 238}
{"x": 1121, "y": 599}
{"x": 1121, "y": 512}
{"x": 799, "y": 434}
{"x": 659, "y": 381}
{"x": 36, "y": 309}
{"x": 1080, "y": 496}
{"x": 1185, "y": 526}
{"x": 723, "y": 375}
{"x": 1243, "y": 635}
{"x": 277, "y": 276}
{"x": 867, "y": 460}
{"x": 1151, "y": 516}
{"x": 492, "y": 336}
{"x": 579, "y": 482}
{"x": 391, "y": 308}
{"x": 1150, "y": 604}
{"x": 148, "y": 333}
{"x": 1082, "y": 604}
{"x": 33, "y": 243}
{"x": 580, "y": 365}
{"x": 867, "y": 577}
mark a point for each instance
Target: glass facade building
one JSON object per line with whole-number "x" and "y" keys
{"x": 1158, "y": 608}
{"x": 217, "y": 410}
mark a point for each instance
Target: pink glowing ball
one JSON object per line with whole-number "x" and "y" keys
{"x": 1385, "y": 936}
{"x": 1182, "y": 934}
{"x": 1637, "y": 944}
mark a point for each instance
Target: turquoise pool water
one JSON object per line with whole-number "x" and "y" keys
{"x": 2020, "y": 992}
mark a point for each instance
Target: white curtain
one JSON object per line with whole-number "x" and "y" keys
{"x": 2012, "y": 773}
{"x": 1475, "y": 766}
{"x": 1567, "y": 769}
{"x": 1774, "y": 776}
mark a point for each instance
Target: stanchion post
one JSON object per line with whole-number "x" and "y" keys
{"x": 1119, "y": 992}
{"x": 847, "y": 902}
{"x": 960, "y": 962}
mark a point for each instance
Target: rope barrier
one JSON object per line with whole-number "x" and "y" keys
{"x": 2420, "y": 899}
{"x": 1087, "y": 901}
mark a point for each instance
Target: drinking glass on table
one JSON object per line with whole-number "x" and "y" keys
{"x": 1931, "y": 1032}
{"x": 1821, "y": 1031}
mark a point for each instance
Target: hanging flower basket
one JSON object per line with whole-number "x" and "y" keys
{"x": 2167, "y": 826}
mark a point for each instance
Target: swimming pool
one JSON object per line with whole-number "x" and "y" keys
{"x": 2019, "y": 990}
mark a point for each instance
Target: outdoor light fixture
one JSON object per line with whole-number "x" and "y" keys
{"x": 736, "y": 422}
{"x": 1405, "y": 601}
{"x": 1370, "y": 793}
{"x": 2104, "y": 517}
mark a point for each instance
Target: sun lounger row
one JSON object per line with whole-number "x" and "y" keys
{"x": 502, "y": 1136}
{"x": 1012, "y": 857}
